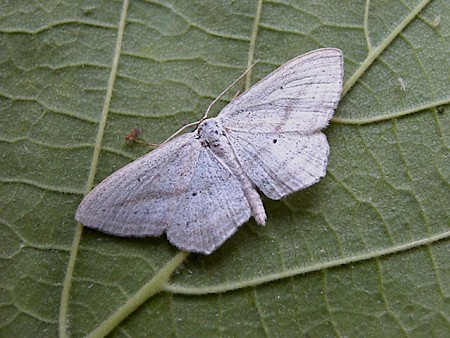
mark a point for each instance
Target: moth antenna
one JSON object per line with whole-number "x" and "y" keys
{"x": 227, "y": 89}
{"x": 211, "y": 104}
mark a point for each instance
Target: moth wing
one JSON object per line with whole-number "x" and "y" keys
{"x": 275, "y": 127}
{"x": 141, "y": 198}
{"x": 301, "y": 96}
{"x": 281, "y": 163}
{"x": 212, "y": 210}
{"x": 180, "y": 188}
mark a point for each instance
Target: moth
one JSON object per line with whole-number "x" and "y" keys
{"x": 200, "y": 187}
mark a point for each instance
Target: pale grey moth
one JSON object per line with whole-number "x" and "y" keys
{"x": 201, "y": 186}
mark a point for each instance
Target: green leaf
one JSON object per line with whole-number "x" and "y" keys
{"x": 365, "y": 252}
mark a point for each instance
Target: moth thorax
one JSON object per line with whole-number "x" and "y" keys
{"x": 210, "y": 132}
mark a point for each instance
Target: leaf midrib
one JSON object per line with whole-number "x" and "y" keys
{"x": 220, "y": 288}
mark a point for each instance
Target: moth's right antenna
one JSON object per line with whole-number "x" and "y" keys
{"x": 227, "y": 89}
{"x": 212, "y": 103}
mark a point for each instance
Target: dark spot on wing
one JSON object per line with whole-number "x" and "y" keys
{"x": 275, "y": 140}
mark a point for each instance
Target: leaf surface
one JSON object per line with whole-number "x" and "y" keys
{"x": 365, "y": 251}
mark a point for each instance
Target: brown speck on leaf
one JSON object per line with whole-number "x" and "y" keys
{"x": 133, "y": 134}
